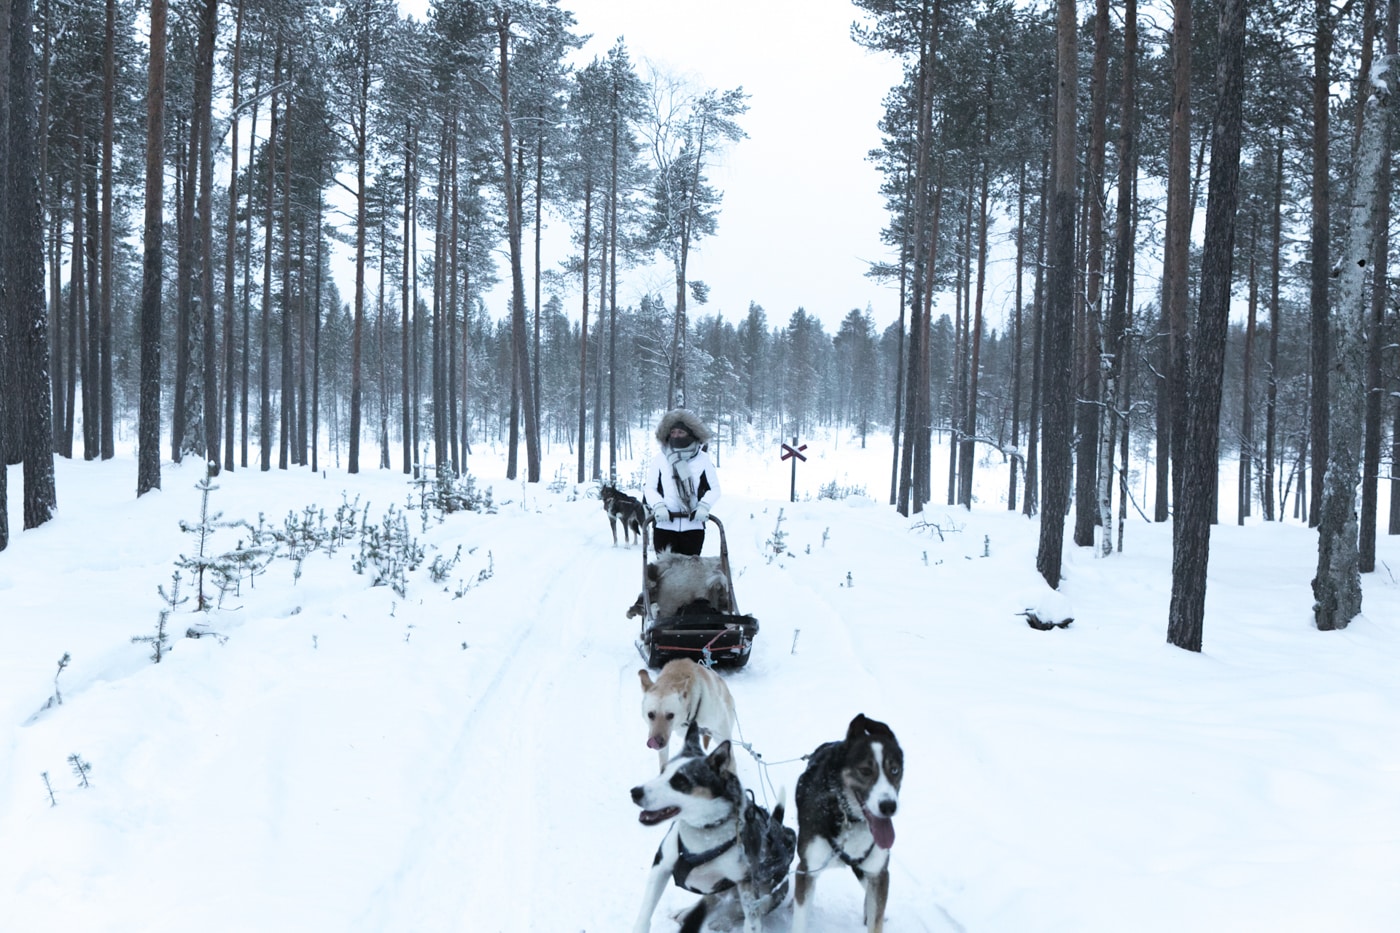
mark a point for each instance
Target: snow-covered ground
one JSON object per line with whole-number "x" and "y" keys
{"x": 343, "y": 758}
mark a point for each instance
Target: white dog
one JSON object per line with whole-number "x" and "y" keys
{"x": 685, "y": 692}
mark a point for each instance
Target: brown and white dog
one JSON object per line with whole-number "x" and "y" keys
{"x": 683, "y": 693}
{"x": 846, "y": 801}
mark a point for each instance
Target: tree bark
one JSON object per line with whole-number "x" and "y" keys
{"x": 1059, "y": 310}
{"x": 1171, "y": 399}
{"x": 1337, "y": 586}
{"x": 1091, "y": 406}
{"x": 517, "y": 272}
{"x": 1200, "y": 465}
{"x": 1115, "y": 410}
{"x": 148, "y": 430}
{"x": 231, "y": 240}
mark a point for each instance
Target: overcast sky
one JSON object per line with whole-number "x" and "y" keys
{"x": 801, "y": 215}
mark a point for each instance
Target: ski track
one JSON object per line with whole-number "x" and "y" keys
{"x": 528, "y": 747}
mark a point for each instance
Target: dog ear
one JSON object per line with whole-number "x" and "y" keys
{"x": 693, "y": 748}
{"x": 646, "y": 679}
{"x": 862, "y": 725}
{"x": 722, "y": 758}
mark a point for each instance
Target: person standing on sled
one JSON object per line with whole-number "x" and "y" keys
{"x": 682, "y": 485}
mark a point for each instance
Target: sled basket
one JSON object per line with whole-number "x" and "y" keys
{"x": 697, "y": 631}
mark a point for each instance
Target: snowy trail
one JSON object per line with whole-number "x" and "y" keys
{"x": 539, "y": 756}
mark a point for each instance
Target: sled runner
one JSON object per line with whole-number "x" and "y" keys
{"x": 688, "y": 608}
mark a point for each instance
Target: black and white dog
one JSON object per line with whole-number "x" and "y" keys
{"x": 721, "y": 839}
{"x": 623, "y": 508}
{"x": 846, "y": 801}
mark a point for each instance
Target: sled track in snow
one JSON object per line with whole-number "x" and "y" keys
{"x": 498, "y": 789}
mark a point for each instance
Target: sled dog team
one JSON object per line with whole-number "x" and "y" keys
{"x": 723, "y": 845}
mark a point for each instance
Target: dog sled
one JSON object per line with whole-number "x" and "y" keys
{"x": 688, "y": 608}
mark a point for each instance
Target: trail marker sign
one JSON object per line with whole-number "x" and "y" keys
{"x": 794, "y": 452}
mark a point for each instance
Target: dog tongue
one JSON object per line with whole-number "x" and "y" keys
{"x": 656, "y": 741}
{"x": 881, "y": 828}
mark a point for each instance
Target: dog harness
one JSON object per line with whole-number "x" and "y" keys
{"x": 841, "y": 852}
{"x": 687, "y": 861}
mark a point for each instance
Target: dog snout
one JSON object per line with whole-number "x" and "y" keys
{"x": 887, "y": 807}
{"x": 637, "y": 793}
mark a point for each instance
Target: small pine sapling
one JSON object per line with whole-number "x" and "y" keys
{"x": 80, "y": 769}
{"x": 388, "y": 553}
{"x": 441, "y": 567}
{"x": 202, "y": 530}
{"x": 777, "y": 541}
{"x": 57, "y": 698}
{"x": 347, "y": 522}
{"x": 53, "y": 802}
{"x": 160, "y": 641}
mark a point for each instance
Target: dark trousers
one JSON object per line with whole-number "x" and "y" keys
{"x": 680, "y": 542}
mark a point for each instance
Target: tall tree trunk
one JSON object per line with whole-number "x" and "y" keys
{"x": 452, "y": 304}
{"x": 1375, "y": 380}
{"x": 1171, "y": 398}
{"x": 906, "y": 249}
{"x": 244, "y": 369}
{"x": 1017, "y": 330}
{"x": 380, "y": 327}
{"x": 521, "y": 349}
{"x": 1392, "y": 17}
{"x": 1275, "y": 320}
{"x": 439, "y": 367}
{"x": 25, "y": 280}
{"x": 1337, "y": 586}
{"x": 231, "y": 238}
{"x": 967, "y": 455}
{"x": 204, "y": 235}
{"x": 538, "y": 274}
{"x": 404, "y": 364}
{"x": 1246, "y": 452}
{"x": 1200, "y": 466}
{"x": 109, "y": 80}
{"x": 1320, "y": 245}
{"x": 361, "y": 130}
{"x": 610, "y": 221}
{"x": 92, "y": 376}
{"x": 148, "y": 430}
{"x": 9, "y": 359}
{"x": 185, "y": 271}
{"x": 286, "y": 408}
{"x": 1115, "y": 411}
{"x": 583, "y": 330}
{"x": 316, "y": 342}
{"x": 1031, "y": 504}
{"x": 1059, "y": 310}
{"x": 265, "y": 315}
{"x": 1089, "y": 409}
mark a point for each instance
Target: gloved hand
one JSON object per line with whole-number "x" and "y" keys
{"x": 702, "y": 511}
{"x": 660, "y": 513}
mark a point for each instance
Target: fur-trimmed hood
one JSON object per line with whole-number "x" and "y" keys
{"x": 686, "y": 418}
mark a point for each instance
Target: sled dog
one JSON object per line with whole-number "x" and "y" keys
{"x": 683, "y": 693}
{"x": 846, "y": 801}
{"x": 721, "y": 840}
{"x": 625, "y": 509}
